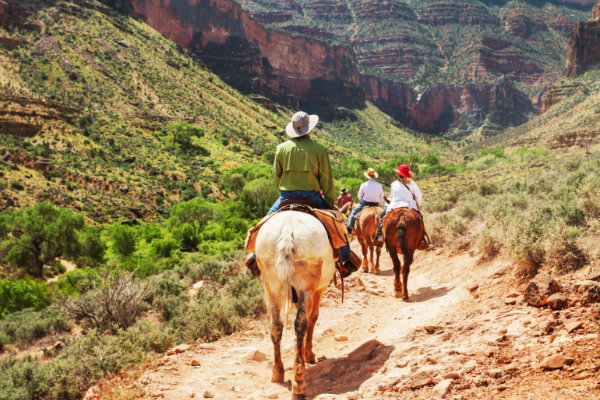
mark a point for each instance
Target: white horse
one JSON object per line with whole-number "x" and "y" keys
{"x": 296, "y": 261}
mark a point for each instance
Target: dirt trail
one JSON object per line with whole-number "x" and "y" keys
{"x": 459, "y": 337}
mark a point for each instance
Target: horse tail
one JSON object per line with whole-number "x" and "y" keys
{"x": 284, "y": 268}
{"x": 402, "y": 235}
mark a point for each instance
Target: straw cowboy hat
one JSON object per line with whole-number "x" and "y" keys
{"x": 371, "y": 174}
{"x": 404, "y": 170}
{"x": 301, "y": 124}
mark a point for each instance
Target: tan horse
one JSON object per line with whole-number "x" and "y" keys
{"x": 296, "y": 262}
{"x": 365, "y": 227}
{"x": 403, "y": 232}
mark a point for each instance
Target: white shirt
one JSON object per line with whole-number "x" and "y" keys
{"x": 371, "y": 191}
{"x": 403, "y": 197}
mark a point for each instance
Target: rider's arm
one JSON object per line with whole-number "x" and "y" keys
{"x": 326, "y": 179}
{"x": 277, "y": 168}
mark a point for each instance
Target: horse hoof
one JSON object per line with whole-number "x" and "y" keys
{"x": 297, "y": 396}
{"x": 278, "y": 376}
{"x": 398, "y": 294}
{"x": 405, "y": 299}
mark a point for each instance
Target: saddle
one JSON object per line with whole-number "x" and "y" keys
{"x": 367, "y": 205}
{"x": 332, "y": 221}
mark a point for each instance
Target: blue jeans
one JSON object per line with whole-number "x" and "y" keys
{"x": 318, "y": 200}
{"x": 354, "y": 212}
{"x": 299, "y": 194}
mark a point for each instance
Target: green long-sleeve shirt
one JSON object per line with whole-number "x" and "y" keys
{"x": 303, "y": 164}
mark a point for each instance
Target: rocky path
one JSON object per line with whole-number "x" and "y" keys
{"x": 465, "y": 334}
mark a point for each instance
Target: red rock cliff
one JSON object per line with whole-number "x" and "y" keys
{"x": 584, "y": 45}
{"x": 252, "y": 57}
{"x": 449, "y": 107}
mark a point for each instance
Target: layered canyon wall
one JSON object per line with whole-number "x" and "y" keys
{"x": 254, "y": 58}
{"x": 584, "y": 45}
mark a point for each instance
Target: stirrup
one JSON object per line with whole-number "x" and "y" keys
{"x": 378, "y": 240}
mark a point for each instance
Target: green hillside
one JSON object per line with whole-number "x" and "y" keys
{"x": 105, "y": 94}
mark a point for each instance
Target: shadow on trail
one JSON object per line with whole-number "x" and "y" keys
{"x": 427, "y": 293}
{"x": 343, "y": 375}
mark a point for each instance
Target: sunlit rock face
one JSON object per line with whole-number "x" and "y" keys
{"x": 584, "y": 45}
{"x": 254, "y": 58}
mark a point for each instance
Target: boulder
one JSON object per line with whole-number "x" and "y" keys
{"x": 590, "y": 291}
{"x": 365, "y": 352}
{"x": 556, "y": 361}
{"x": 557, "y": 301}
{"x": 540, "y": 289}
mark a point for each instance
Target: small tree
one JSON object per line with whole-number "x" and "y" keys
{"x": 38, "y": 235}
{"x": 260, "y": 192}
{"x": 183, "y": 134}
{"x": 196, "y": 212}
{"x": 123, "y": 239}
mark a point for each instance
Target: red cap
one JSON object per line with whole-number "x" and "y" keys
{"x": 404, "y": 171}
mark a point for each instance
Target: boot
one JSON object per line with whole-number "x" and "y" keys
{"x": 425, "y": 243}
{"x": 378, "y": 240}
{"x": 252, "y": 265}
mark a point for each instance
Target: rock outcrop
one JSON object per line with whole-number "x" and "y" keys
{"x": 254, "y": 58}
{"x": 449, "y": 107}
{"x": 584, "y": 45}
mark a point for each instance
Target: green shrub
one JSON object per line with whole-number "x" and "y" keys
{"x": 78, "y": 281}
{"x": 18, "y": 294}
{"x": 186, "y": 236}
{"x": 123, "y": 239}
{"x": 164, "y": 247}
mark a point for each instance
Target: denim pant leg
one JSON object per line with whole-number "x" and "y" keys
{"x": 345, "y": 253}
{"x": 299, "y": 194}
{"x": 275, "y": 205}
{"x": 354, "y": 212}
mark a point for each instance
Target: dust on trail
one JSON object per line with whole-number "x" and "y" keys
{"x": 457, "y": 338}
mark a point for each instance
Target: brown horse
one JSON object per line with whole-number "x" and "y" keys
{"x": 366, "y": 225}
{"x": 403, "y": 232}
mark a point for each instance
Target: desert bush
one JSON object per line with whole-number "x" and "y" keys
{"x": 27, "y": 325}
{"x": 17, "y": 294}
{"x": 562, "y": 251}
{"x": 486, "y": 189}
{"x": 116, "y": 304}
{"x": 487, "y": 245}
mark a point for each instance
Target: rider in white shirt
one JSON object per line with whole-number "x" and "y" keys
{"x": 370, "y": 192}
{"x": 404, "y": 193}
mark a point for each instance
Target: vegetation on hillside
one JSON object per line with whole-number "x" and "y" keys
{"x": 152, "y": 185}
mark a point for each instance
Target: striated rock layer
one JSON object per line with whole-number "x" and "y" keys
{"x": 254, "y": 58}
{"x": 447, "y": 107}
{"x": 584, "y": 45}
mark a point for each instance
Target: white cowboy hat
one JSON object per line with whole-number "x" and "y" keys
{"x": 371, "y": 174}
{"x": 301, "y": 124}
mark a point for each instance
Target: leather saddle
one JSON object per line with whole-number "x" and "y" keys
{"x": 332, "y": 221}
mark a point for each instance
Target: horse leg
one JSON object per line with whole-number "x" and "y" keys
{"x": 371, "y": 263}
{"x": 397, "y": 267}
{"x": 408, "y": 259}
{"x": 276, "y": 333}
{"x": 300, "y": 326}
{"x": 377, "y": 254}
{"x": 365, "y": 252}
{"x": 313, "y": 315}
